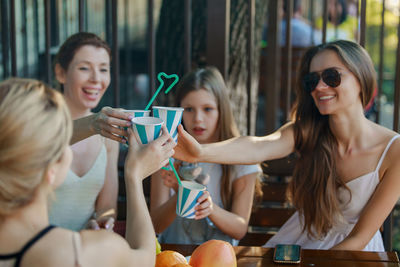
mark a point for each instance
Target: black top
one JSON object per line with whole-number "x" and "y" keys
{"x": 18, "y": 255}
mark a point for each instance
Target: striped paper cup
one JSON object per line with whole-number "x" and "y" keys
{"x": 146, "y": 129}
{"x": 138, "y": 112}
{"x": 171, "y": 116}
{"x": 188, "y": 193}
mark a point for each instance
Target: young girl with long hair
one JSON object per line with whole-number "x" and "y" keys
{"x": 345, "y": 182}
{"x": 223, "y": 211}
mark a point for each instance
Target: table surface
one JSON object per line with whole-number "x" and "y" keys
{"x": 258, "y": 256}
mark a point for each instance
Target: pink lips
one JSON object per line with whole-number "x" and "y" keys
{"x": 91, "y": 93}
{"x": 198, "y": 130}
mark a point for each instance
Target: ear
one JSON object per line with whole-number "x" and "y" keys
{"x": 60, "y": 74}
{"x": 50, "y": 175}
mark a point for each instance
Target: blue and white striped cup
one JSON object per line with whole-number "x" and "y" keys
{"x": 147, "y": 129}
{"x": 172, "y": 117}
{"x": 138, "y": 112}
{"x": 188, "y": 193}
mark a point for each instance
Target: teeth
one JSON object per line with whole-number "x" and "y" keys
{"x": 91, "y": 91}
{"x": 326, "y": 97}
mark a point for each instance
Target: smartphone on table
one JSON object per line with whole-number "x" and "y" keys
{"x": 284, "y": 253}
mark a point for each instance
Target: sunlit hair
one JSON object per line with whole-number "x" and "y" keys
{"x": 211, "y": 80}
{"x": 315, "y": 184}
{"x": 35, "y": 128}
{"x": 69, "y": 48}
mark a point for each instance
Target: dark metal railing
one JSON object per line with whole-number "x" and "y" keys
{"x": 151, "y": 43}
{"x": 250, "y": 71}
{"x": 115, "y": 53}
{"x": 188, "y": 35}
{"x": 218, "y": 21}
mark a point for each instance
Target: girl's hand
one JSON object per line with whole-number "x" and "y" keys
{"x": 188, "y": 149}
{"x": 143, "y": 160}
{"x": 111, "y": 123}
{"x": 204, "y": 207}
{"x": 169, "y": 179}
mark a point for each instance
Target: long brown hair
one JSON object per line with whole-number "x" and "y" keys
{"x": 211, "y": 80}
{"x": 314, "y": 187}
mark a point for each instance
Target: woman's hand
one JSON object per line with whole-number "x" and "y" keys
{"x": 188, "y": 149}
{"x": 143, "y": 160}
{"x": 205, "y": 206}
{"x": 111, "y": 123}
{"x": 104, "y": 222}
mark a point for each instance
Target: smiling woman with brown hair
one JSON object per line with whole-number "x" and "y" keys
{"x": 345, "y": 182}
{"x": 88, "y": 198}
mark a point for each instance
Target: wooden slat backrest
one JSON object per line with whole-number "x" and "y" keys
{"x": 270, "y": 217}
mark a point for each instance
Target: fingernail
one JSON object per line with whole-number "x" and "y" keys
{"x": 130, "y": 117}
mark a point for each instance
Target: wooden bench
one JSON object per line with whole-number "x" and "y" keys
{"x": 274, "y": 210}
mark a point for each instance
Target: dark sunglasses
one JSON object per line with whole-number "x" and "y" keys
{"x": 331, "y": 77}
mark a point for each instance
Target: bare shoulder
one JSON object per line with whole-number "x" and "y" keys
{"x": 392, "y": 157}
{"x": 98, "y": 248}
{"x": 393, "y": 153}
{"x": 103, "y": 248}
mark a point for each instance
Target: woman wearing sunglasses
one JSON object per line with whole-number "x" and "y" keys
{"x": 346, "y": 179}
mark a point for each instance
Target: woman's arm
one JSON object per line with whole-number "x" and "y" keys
{"x": 162, "y": 205}
{"x": 140, "y": 249}
{"x": 233, "y": 223}
{"x": 379, "y": 206}
{"x": 106, "y": 203}
{"x": 140, "y": 163}
{"x": 237, "y": 150}
{"x": 105, "y": 122}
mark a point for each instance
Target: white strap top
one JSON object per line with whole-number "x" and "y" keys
{"x": 385, "y": 151}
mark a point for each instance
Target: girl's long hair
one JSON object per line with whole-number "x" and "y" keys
{"x": 315, "y": 184}
{"x": 211, "y": 80}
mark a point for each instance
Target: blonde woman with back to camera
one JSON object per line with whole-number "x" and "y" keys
{"x": 34, "y": 158}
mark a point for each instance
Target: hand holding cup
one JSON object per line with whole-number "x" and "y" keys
{"x": 143, "y": 160}
{"x": 205, "y": 206}
{"x": 111, "y": 123}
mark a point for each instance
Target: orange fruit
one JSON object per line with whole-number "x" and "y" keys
{"x": 214, "y": 253}
{"x": 169, "y": 258}
{"x": 181, "y": 265}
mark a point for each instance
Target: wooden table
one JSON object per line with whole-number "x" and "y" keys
{"x": 258, "y": 256}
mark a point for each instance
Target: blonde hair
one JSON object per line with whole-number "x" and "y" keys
{"x": 35, "y": 128}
